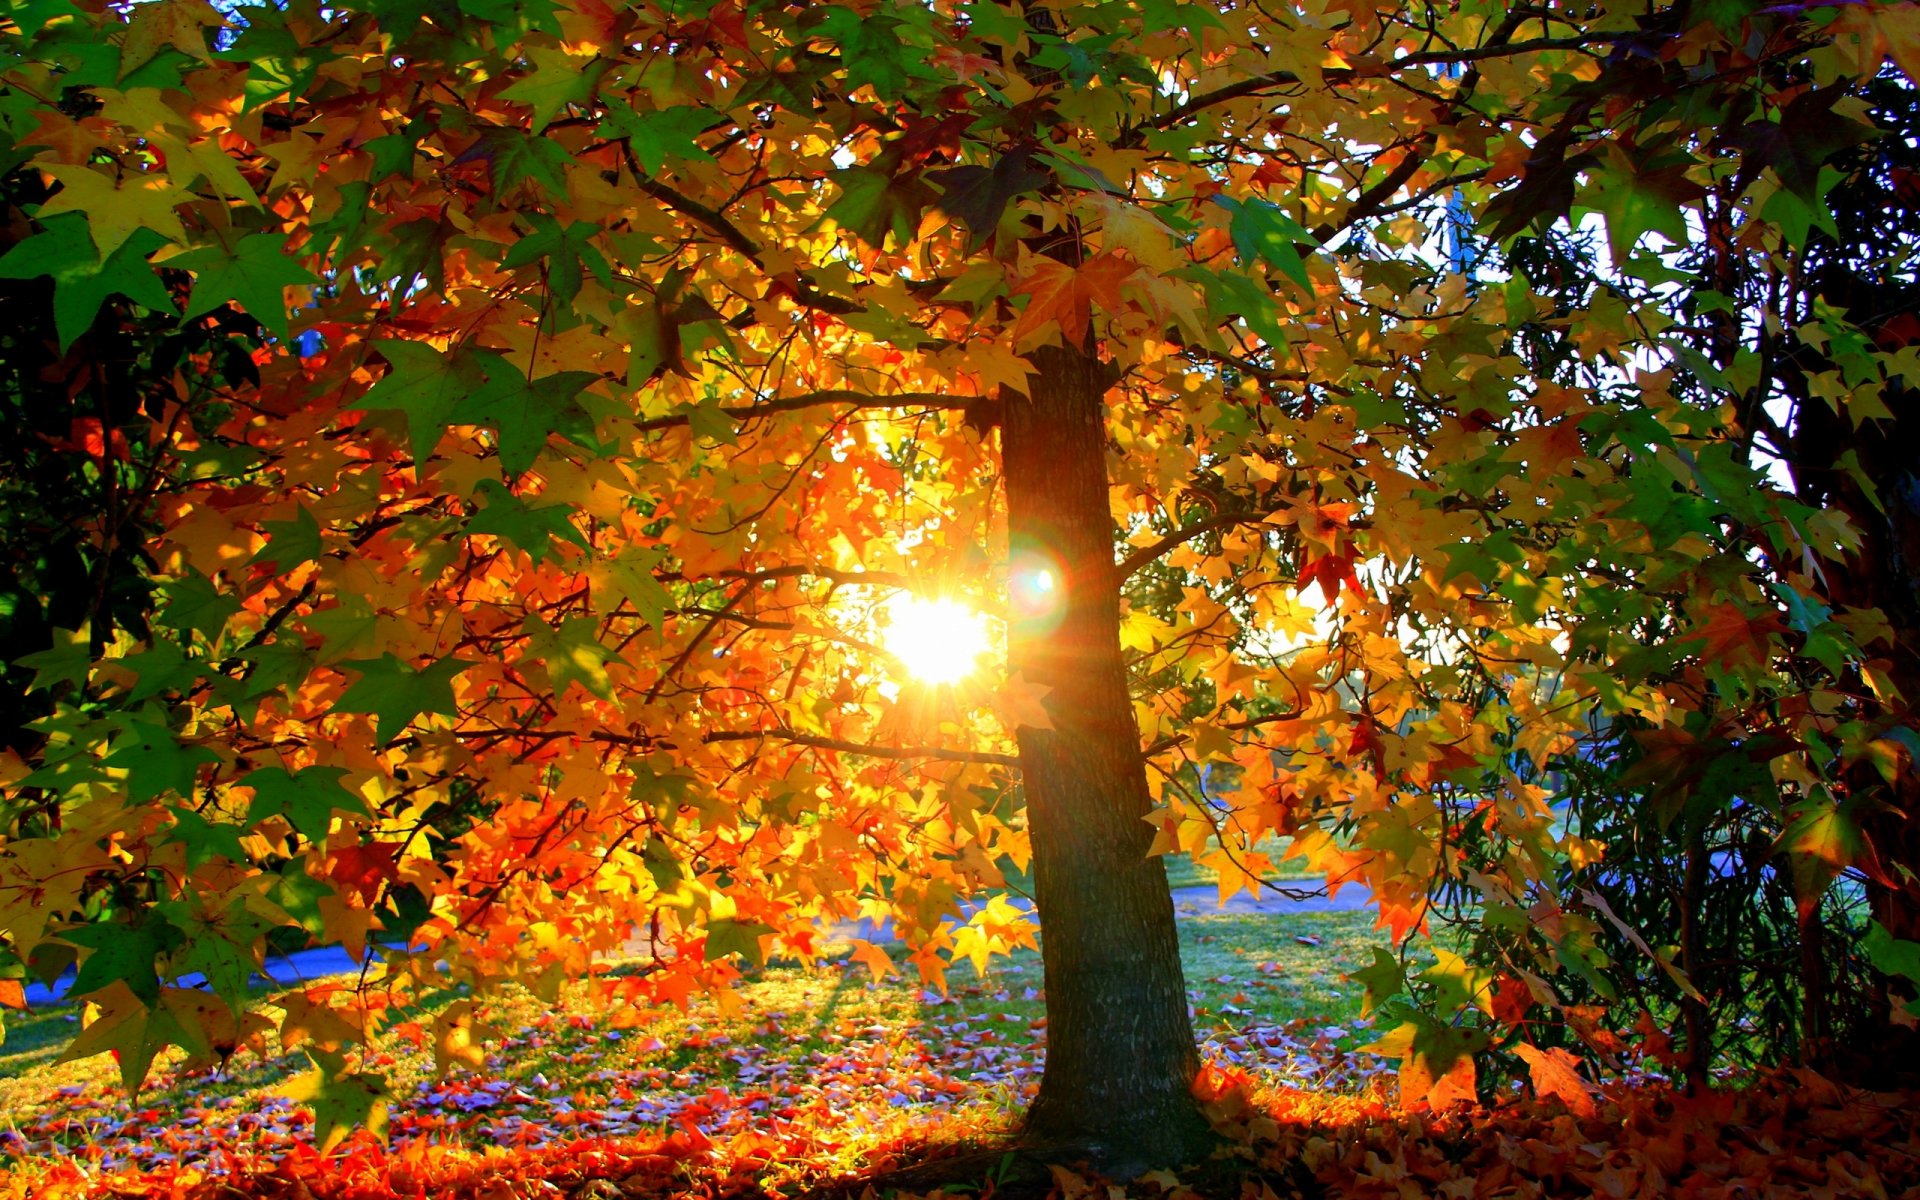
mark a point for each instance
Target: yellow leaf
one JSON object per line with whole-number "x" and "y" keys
{"x": 1021, "y": 703}
{"x": 115, "y": 208}
{"x": 163, "y": 23}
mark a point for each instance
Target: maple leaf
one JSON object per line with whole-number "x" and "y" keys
{"x": 571, "y": 653}
{"x": 116, "y": 208}
{"x": 206, "y": 840}
{"x": 156, "y": 762}
{"x": 1262, "y": 229}
{"x": 180, "y": 24}
{"x": 65, "y": 252}
{"x": 978, "y": 196}
{"x": 255, "y": 274}
{"x": 397, "y": 693}
{"x": 1555, "y": 1076}
{"x": 525, "y": 412}
{"x": 425, "y": 385}
{"x": 729, "y": 937}
{"x": 876, "y": 203}
{"x": 631, "y": 575}
{"x": 1022, "y": 703}
{"x": 134, "y": 1030}
{"x": 1732, "y": 637}
{"x": 530, "y": 527}
{"x": 68, "y": 660}
{"x": 1384, "y": 979}
{"x": 1065, "y": 295}
{"x": 122, "y": 953}
{"x": 457, "y": 1038}
{"x": 567, "y": 250}
{"x": 342, "y": 1103}
{"x": 659, "y": 136}
{"x": 873, "y": 958}
{"x": 307, "y": 798}
{"x": 558, "y": 78}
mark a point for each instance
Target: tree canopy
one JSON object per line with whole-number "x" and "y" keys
{"x": 1355, "y": 421}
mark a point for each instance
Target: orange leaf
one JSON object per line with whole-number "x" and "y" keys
{"x": 1058, "y": 292}
{"x": 1555, "y": 1073}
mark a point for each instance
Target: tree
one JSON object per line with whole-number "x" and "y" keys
{"x": 618, "y": 362}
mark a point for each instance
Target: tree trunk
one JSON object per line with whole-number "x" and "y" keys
{"x": 1120, "y": 1047}
{"x": 1885, "y": 575}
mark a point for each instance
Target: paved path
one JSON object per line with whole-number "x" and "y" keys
{"x": 304, "y": 965}
{"x": 1197, "y": 901}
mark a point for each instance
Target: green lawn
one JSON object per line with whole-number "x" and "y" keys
{"x": 1267, "y": 992}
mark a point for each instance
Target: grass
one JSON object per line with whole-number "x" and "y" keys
{"x": 1266, "y": 990}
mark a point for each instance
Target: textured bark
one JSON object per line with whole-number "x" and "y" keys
{"x": 1120, "y": 1047}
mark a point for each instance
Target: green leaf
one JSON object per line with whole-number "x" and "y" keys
{"x": 992, "y": 22}
{"x": 1231, "y": 294}
{"x": 351, "y": 627}
{"x": 253, "y": 275}
{"x": 392, "y": 155}
{"x": 291, "y": 543}
{"x": 524, "y": 412}
{"x": 342, "y": 1104}
{"x": 397, "y": 693}
{"x": 190, "y": 603}
{"x": 424, "y": 385}
{"x": 1893, "y": 956}
{"x": 121, "y": 952}
{"x": 726, "y": 937}
{"x": 220, "y": 944}
{"x": 875, "y": 48}
{"x": 67, "y": 661}
{"x": 566, "y": 250}
{"x": 557, "y": 80}
{"x": 1261, "y": 229}
{"x": 1638, "y": 196}
{"x": 298, "y": 894}
{"x": 1821, "y": 839}
{"x": 1457, "y": 984}
{"x": 571, "y": 653}
{"x": 308, "y": 798}
{"x": 159, "y": 669}
{"x": 532, "y": 528}
{"x": 206, "y": 840}
{"x": 275, "y": 664}
{"x": 874, "y": 203}
{"x": 81, "y": 282}
{"x": 156, "y": 763}
{"x": 515, "y": 156}
{"x": 631, "y": 574}
{"x": 1382, "y": 980}
{"x": 660, "y": 136}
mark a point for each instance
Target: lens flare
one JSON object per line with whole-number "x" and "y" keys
{"x": 938, "y": 641}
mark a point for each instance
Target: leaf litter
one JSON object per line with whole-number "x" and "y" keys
{"x": 787, "y": 1099}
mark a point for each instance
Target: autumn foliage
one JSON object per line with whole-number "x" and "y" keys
{"x": 574, "y": 384}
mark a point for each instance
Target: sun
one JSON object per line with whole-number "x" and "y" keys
{"x": 938, "y": 641}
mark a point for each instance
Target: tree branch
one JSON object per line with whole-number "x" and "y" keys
{"x": 1179, "y": 537}
{"x": 1255, "y": 84}
{"x": 891, "y": 579}
{"x": 859, "y": 401}
{"x": 794, "y": 737}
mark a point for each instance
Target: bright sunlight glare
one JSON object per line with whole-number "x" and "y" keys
{"x": 938, "y": 641}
